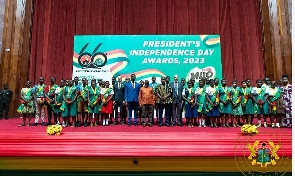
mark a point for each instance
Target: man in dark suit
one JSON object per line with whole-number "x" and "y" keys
{"x": 170, "y": 104}
{"x": 119, "y": 90}
{"x": 177, "y": 89}
{"x": 131, "y": 97}
{"x": 5, "y": 98}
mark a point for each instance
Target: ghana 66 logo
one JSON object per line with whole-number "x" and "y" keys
{"x": 264, "y": 153}
{"x": 92, "y": 60}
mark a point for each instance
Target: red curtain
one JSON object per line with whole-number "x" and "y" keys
{"x": 55, "y": 23}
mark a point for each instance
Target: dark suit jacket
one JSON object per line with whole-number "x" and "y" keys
{"x": 5, "y": 95}
{"x": 176, "y": 96}
{"x": 119, "y": 93}
{"x": 130, "y": 93}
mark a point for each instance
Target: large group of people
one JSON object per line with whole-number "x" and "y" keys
{"x": 205, "y": 103}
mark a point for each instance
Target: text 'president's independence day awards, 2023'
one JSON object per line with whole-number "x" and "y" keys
{"x": 189, "y": 56}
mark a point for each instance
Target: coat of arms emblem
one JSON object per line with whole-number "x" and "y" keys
{"x": 264, "y": 155}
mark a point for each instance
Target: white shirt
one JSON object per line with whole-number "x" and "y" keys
{"x": 210, "y": 90}
{"x": 103, "y": 90}
{"x": 272, "y": 91}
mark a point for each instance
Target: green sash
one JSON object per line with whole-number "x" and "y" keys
{"x": 259, "y": 98}
{"x": 276, "y": 96}
{"x": 213, "y": 99}
{"x": 190, "y": 95}
{"x": 202, "y": 99}
{"x": 227, "y": 90}
{"x": 107, "y": 93}
{"x": 95, "y": 98}
{"x": 83, "y": 94}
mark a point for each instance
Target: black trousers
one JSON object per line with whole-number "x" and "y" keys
{"x": 176, "y": 112}
{"x": 4, "y": 107}
{"x": 147, "y": 112}
{"x": 50, "y": 113}
{"x": 120, "y": 106}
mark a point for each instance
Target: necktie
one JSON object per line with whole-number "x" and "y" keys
{"x": 176, "y": 88}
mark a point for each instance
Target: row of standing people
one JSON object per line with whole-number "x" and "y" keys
{"x": 201, "y": 101}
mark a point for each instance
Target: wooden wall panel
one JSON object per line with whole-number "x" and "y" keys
{"x": 2, "y": 11}
{"x": 277, "y": 38}
{"x": 16, "y": 37}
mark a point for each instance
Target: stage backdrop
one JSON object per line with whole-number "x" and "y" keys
{"x": 56, "y": 22}
{"x": 107, "y": 56}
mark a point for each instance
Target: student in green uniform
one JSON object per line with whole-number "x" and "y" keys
{"x": 94, "y": 100}
{"x": 216, "y": 85}
{"x": 212, "y": 96}
{"x": 189, "y": 96}
{"x": 58, "y": 99}
{"x": 201, "y": 102}
{"x": 248, "y": 103}
{"x": 225, "y": 106}
{"x": 27, "y": 105}
{"x": 276, "y": 104}
{"x": 49, "y": 93}
{"x": 69, "y": 107}
{"x": 260, "y": 107}
{"x": 236, "y": 100}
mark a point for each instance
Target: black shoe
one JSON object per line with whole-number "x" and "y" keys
{"x": 85, "y": 124}
{"x": 179, "y": 124}
{"x": 6, "y": 118}
{"x": 173, "y": 124}
{"x": 79, "y": 124}
{"x": 115, "y": 123}
{"x": 160, "y": 125}
{"x": 135, "y": 124}
{"x": 35, "y": 124}
{"x": 240, "y": 124}
{"x": 143, "y": 124}
{"x": 150, "y": 124}
{"x": 129, "y": 124}
{"x": 44, "y": 124}
{"x": 0, "y": 118}
{"x": 23, "y": 124}
{"x": 122, "y": 123}
{"x": 167, "y": 124}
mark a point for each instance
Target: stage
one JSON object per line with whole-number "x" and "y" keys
{"x": 119, "y": 142}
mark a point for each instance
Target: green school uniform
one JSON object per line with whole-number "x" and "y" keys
{"x": 94, "y": 98}
{"x": 224, "y": 93}
{"x": 248, "y": 103}
{"x": 69, "y": 110}
{"x": 59, "y": 99}
{"x": 237, "y": 95}
{"x": 260, "y": 95}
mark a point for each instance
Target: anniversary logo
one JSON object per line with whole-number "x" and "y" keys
{"x": 263, "y": 153}
{"x": 107, "y": 56}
